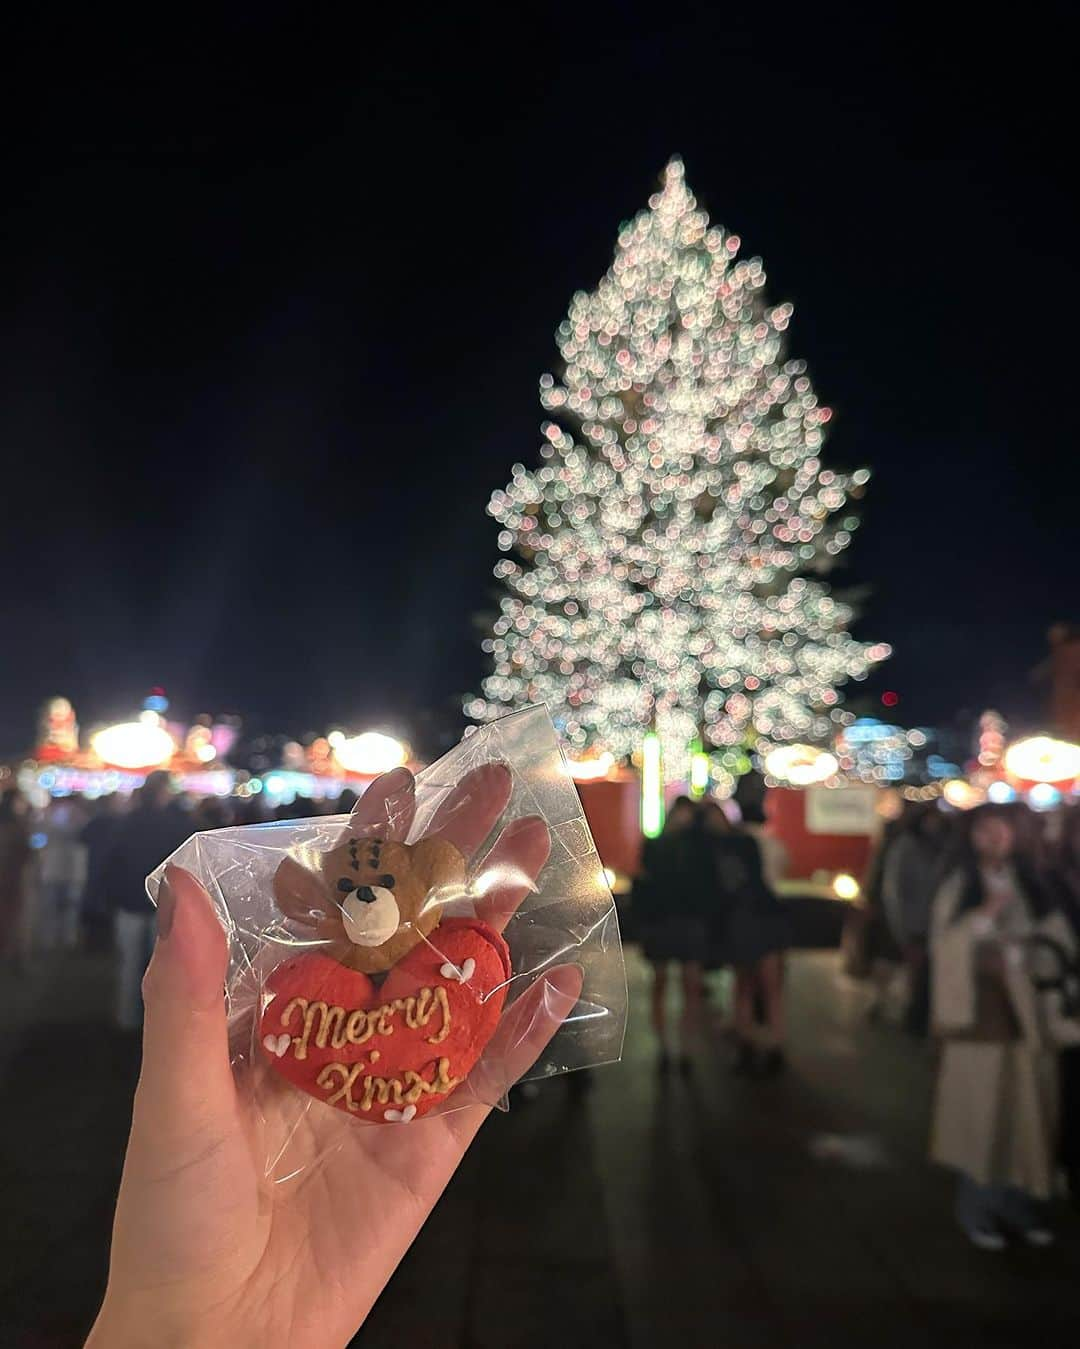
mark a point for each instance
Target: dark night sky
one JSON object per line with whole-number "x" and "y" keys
{"x": 276, "y": 298}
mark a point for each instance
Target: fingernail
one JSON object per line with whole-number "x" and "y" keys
{"x": 521, "y": 825}
{"x": 166, "y": 906}
{"x": 397, "y": 790}
{"x": 567, "y": 981}
{"x": 391, "y": 784}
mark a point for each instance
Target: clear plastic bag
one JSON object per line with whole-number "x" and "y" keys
{"x": 379, "y": 963}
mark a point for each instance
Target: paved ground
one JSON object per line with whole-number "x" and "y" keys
{"x": 711, "y": 1212}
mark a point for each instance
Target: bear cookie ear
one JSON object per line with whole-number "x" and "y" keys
{"x": 300, "y": 893}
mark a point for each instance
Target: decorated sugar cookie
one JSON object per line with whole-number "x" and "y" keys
{"x": 373, "y": 901}
{"x": 385, "y": 1051}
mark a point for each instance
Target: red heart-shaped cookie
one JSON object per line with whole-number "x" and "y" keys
{"x": 388, "y": 1053}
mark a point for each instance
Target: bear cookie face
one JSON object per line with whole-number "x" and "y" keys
{"x": 372, "y": 900}
{"x": 379, "y": 1018}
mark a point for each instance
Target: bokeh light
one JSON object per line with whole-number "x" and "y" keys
{"x": 663, "y": 563}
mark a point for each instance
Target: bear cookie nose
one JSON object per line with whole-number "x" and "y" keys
{"x": 370, "y": 915}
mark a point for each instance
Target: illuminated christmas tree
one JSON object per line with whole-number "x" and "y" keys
{"x": 663, "y": 563}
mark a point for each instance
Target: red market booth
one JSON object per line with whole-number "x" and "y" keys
{"x": 613, "y": 808}
{"x": 825, "y": 829}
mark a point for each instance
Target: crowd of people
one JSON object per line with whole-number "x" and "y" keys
{"x": 704, "y": 899}
{"x": 73, "y": 874}
{"x": 982, "y": 910}
{"x": 979, "y": 912}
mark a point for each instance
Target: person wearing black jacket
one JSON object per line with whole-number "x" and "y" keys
{"x": 671, "y": 898}
{"x": 752, "y": 936}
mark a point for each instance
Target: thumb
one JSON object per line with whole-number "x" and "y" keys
{"x": 186, "y": 1205}
{"x": 186, "y": 1090}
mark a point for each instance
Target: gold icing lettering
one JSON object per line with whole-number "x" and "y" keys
{"x": 334, "y": 1016}
{"x": 328, "y": 1017}
{"x": 296, "y": 1004}
{"x": 415, "y": 1086}
{"x": 384, "y": 1090}
{"x": 444, "y": 1006}
{"x": 344, "y": 1092}
{"x": 337, "y": 1027}
{"x": 381, "y": 1089}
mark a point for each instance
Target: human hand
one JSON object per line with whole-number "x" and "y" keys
{"x": 207, "y": 1250}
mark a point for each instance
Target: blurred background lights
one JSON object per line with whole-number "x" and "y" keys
{"x": 699, "y": 771}
{"x": 652, "y": 786}
{"x": 369, "y": 753}
{"x": 962, "y": 795}
{"x": 591, "y": 770}
{"x": 663, "y": 564}
{"x": 133, "y": 745}
{"x": 1043, "y": 759}
{"x": 1043, "y": 796}
{"x": 800, "y": 765}
{"x": 156, "y": 701}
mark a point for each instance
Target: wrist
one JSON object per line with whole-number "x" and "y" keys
{"x": 120, "y": 1324}
{"x": 109, "y": 1331}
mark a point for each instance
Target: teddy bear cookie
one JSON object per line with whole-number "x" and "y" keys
{"x": 392, "y": 1011}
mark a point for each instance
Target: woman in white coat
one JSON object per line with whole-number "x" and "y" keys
{"x": 996, "y": 1112}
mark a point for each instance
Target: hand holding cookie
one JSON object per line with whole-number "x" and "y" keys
{"x": 206, "y": 1248}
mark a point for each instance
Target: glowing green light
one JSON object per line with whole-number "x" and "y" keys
{"x": 652, "y": 786}
{"x": 699, "y": 770}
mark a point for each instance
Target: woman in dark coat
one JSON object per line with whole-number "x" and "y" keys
{"x": 670, "y": 901}
{"x": 754, "y": 934}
